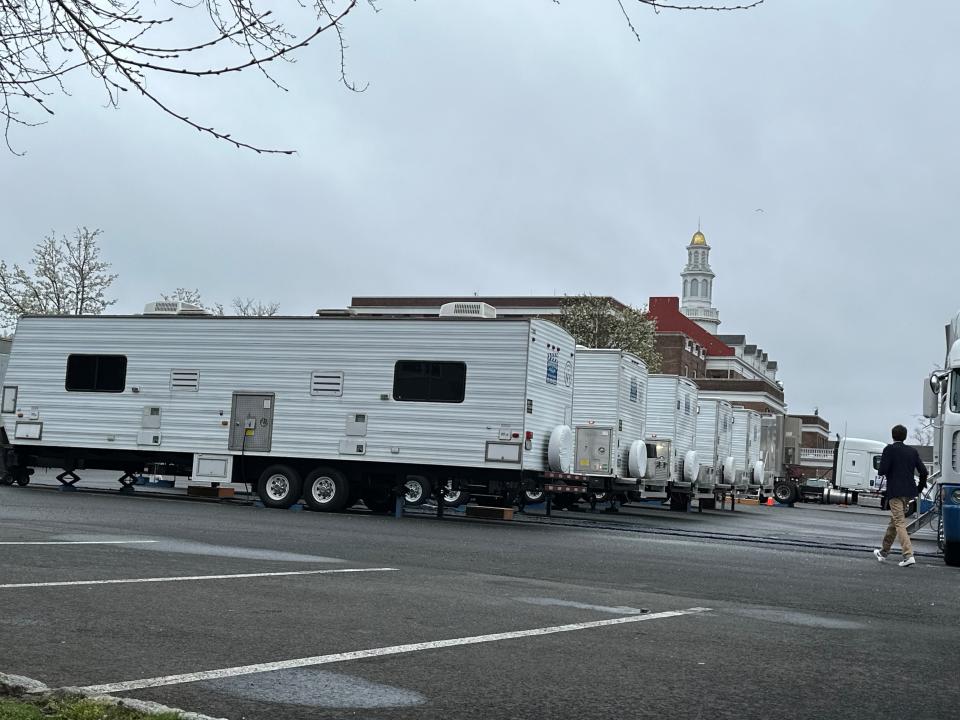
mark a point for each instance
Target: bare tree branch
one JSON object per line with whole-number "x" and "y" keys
{"x": 68, "y": 278}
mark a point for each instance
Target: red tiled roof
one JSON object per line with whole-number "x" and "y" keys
{"x": 665, "y": 311}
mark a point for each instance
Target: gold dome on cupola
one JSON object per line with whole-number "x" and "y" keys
{"x": 698, "y": 238}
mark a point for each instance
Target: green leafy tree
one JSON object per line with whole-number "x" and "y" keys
{"x": 66, "y": 276}
{"x": 599, "y": 322}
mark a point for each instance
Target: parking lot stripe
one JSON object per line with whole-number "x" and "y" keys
{"x": 110, "y": 688}
{"x": 180, "y": 578}
{"x": 76, "y": 542}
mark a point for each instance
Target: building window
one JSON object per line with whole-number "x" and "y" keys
{"x": 686, "y": 287}
{"x": 695, "y": 288}
{"x": 429, "y": 381}
{"x": 96, "y": 373}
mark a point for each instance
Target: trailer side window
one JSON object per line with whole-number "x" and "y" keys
{"x": 96, "y": 373}
{"x": 429, "y": 381}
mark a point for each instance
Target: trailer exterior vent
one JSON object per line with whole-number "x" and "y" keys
{"x": 173, "y": 307}
{"x": 184, "y": 380}
{"x": 468, "y": 309}
{"x": 324, "y": 383}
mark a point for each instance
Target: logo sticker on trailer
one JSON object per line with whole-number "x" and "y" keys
{"x": 553, "y": 366}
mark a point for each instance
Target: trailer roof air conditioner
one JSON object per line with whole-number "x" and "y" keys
{"x": 173, "y": 307}
{"x": 468, "y": 309}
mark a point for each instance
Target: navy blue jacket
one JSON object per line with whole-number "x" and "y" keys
{"x": 897, "y": 465}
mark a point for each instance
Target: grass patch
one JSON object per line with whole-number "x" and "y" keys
{"x": 60, "y": 708}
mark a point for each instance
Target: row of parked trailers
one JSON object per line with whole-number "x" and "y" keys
{"x": 339, "y": 409}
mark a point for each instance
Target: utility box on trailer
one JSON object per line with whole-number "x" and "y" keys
{"x": 672, "y": 429}
{"x": 339, "y": 407}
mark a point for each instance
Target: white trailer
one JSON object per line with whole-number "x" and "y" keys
{"x": 329, "y": 408}
{"x": 749, "y": 469}
{"x": 714, "y": 451}
{"x": 671, "y": 431}
{"x": 609, "y": 418}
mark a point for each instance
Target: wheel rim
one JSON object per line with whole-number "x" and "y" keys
{"x": 452, "y": 495}
{"x": 782, "y": 493}
{"x": 278, "y": 487}
{"x": 413, "y": 491}
{"x": 323, "y": 490}
{"x": 533, "y": 495}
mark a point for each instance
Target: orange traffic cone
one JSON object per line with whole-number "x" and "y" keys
{"x": 769, "y": 501}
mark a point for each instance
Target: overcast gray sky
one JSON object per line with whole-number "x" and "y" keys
{"x": 525, "y": 147}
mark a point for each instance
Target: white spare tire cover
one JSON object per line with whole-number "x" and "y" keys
{"x": 560, "y": 449}
{"x": 729, "y": 469}
{"x": 637, "y": 459}
{"x": 691, "y": 468}
{"x": 758, "y": 472}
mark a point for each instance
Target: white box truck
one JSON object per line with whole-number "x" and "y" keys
{"x": 671, "y": 431}
{"x": 330, "y": 409}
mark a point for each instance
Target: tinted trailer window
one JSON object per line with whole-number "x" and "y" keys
{"x": 429, "y": 381}
{"x": 96, "y": 373}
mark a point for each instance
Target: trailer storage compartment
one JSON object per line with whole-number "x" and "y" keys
{"x": 333, "y": 407}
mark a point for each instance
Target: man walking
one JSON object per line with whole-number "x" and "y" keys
{"x": 897, "y": 465}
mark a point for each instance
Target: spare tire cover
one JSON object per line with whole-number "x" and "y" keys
{"x": 637, "y": 460}
{"x": 560, "y": 449}
{"x": 729, "y": 469}
{"x": 691, "y": 468}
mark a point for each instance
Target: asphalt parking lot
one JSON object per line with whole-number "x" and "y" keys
{"x": 239, "y": 612}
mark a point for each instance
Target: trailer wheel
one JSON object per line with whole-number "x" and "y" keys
{"x": 533, "y": 497}
{"x": 785, "y": 493}
{"x": 326, "y": 490}
{"x": 279, "y": 486}
{"x": 951, "y": 554}
{"x": 679, "y": 502}
{"x": 416, "y": 490}
{"x": 379, "y": 500}
{"x": 454, "y": 498}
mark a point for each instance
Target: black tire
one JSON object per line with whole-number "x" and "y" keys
{"x": 785, "y": 493}
{"x": 455, "y": 498}
{"x": 533, "y": 497}
{"x": 379, "y": 500}
{"x": 708, "y": 503}
{"x": 326, "y": 489}
{"x": 279, "y": 486}
{"x": 602, "y": 497}
{"x": 417, "y": 490}
{"x": 679, "y": 502}
{"x": 951, "y": 554}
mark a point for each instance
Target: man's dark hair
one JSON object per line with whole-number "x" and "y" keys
{"x": 899, "y": 433}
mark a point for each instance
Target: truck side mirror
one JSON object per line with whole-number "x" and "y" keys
{"x": 931, "y": 396}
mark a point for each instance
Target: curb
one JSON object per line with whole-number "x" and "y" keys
{"x": 19, "y": 685}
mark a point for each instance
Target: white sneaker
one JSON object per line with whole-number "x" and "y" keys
{"x": 907, "y": 561}
{"x": 879, "y": 556}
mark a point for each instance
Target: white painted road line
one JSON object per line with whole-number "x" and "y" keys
{"x": 557, "y": 602}
{"x": 76, "y": 542}
{"x": 123, "y": 581}
{"x": 109, "y": 688}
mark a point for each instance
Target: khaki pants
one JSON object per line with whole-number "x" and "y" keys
{"x": 897, "y": 527}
